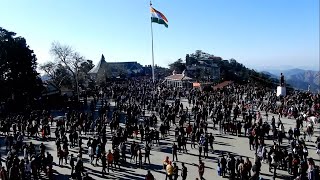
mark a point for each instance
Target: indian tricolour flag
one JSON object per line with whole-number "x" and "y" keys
{"x": 158, "y": 17}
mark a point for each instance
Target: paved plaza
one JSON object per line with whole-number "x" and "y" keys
{"x": 223, "y": 143}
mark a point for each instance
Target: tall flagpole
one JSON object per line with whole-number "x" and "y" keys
{"x": 152, "y": 47}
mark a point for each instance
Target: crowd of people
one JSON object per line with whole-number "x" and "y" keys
{"x": 143, "y": 115}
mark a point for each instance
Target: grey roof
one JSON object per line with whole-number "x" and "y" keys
{"x": 126, "y": 65}
{"x": 102, "y": 63}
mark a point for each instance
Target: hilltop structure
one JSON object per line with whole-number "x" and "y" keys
{"x": 203, "y": 65}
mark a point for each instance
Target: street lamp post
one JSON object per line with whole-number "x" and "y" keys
{"x": 77, "y": 86}
{"x": 77, "y": 83}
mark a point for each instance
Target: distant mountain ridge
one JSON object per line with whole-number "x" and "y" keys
{"x": 298, "y": 78}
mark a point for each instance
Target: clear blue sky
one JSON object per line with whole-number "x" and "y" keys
{"x": 257, "y": 33}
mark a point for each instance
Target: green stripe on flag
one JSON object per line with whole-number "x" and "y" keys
{"x": 159, "y": 21}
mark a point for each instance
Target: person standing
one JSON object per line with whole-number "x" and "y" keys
{"x": 104, "y": 163}
{"x": 318, "y": 146}
{"x": 184, "y": 172}
{"x": 211, "y": 139}
{"x": 98, "y": 153}
{"x": 147, "y": 153}
{"x": 165, "y": 162}
{"x": 110, "y": 160}
{"x": 72, "y": 163}
{"x": 149, "y": 176}
{"x": 3, "y": 173}
{"x": 174, "y": 152}
{"x": 223, "y": 164}
{"x": 140, "y": 158}
{"x": 200, "y": 150}
{"x": 123, "y": 152}
{"x": 201, "y": 169}
{"x": 175, "y": 171}
{"x": 169, "y": 171}
{"x": 91, "y": 154}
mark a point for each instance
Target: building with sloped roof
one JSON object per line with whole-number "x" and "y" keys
{"x": 178, "y": 80}
{"x": 105, "y": 69}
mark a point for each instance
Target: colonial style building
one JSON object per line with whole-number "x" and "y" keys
{"x": 104, "y": 69}
{"x": 178, "y": 80}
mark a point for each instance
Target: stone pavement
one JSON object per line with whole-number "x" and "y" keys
{"x": 223, "y": 143}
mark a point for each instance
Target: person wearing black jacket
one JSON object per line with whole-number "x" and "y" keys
{"x": 147, "y": 153}
{"x": 184, "y": 172}
{"x": 104, "y": 163}
{"x": 149, "y": 176}
{"x": 72, "y": 164}
{"x": 174, "y": 152}
{"x": 175, "y": 171}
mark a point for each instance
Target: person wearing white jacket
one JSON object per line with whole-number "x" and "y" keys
{"x": 25, "y": 153}
{"x": 91, "y": 153}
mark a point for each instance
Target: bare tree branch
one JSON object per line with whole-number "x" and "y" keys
{"x": 49, "y": 68}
